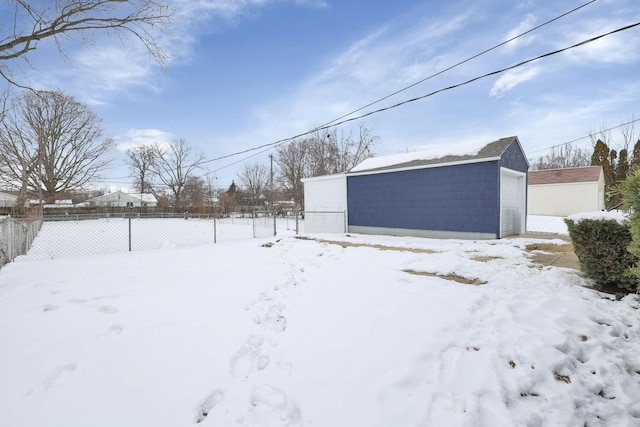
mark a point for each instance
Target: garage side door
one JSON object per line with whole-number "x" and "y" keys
{"x": 511, "y": 204}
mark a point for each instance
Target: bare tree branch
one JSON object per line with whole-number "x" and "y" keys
{"x": 174, "y": 165}
{"x": 33, "y": 24}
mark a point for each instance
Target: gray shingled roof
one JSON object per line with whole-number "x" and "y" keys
{"x": 565, "y": 176}
{"x": 492, "y": 150}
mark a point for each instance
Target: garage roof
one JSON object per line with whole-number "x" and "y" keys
{"x": 565, "y": 176}
{"x": 455, "y": 154}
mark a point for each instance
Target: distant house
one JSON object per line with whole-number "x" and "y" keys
{"x": 472, "y": 191}
{"x": 7, "y": 200}
{"x": 60, "y": 204}
{"x": 562, "y": 192}
{"x": 123, "y": 200}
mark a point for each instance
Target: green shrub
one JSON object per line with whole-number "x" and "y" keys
{"x": 601, "y": 246}
{"x": 629, "y": 189}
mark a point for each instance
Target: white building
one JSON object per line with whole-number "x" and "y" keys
{"x": 123, "y": 200}
{"x": 7, "y": 200}
{"x": 563, "y": 192}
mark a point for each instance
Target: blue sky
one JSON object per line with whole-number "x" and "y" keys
{"x": 248, "y": 72}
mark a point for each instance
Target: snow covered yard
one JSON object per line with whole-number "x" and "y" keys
{"x": 352, "y": 331}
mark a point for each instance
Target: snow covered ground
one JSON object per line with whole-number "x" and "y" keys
{"x": 300, "y": 332}
{"x": 546, "y": 224}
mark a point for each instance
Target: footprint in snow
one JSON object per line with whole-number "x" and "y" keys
{"x": 107, "y": 309}
{"x": 207, "y": 406}
{"x": 270, "y": 406}
{"x": 272, "y": 318}
{"x": 59, "y": 376}
{"x": 242, "y": 364}
{"x": 115, "y": 330}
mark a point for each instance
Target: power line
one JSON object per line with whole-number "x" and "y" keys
{"x": 585, "y": 137}
{"x": 327, "y": 124}
{"x": 461, "y": 62}
{"x": 430, "y": 94}
{"x": 273, "y": 144}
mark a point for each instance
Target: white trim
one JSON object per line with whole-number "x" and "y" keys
{"x": 558, "y": 184}
{"x": 427, "y": 166}
{"x": 323, "y": 177}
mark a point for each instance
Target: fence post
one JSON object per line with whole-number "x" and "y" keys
{"x": 129, "y": 234}
{"x": 346, "y": 226}
{"x": 215, "y": 231}
{"x": 297, "y": 229}
{"x": 10, "y": 239}
{"x": 275, "y": 217}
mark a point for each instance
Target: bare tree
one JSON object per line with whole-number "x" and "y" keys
{"x": 51, "y": 144}
{"x": 140, "y": 161}
{"x": 210, "y": 193}
{"x": 292, "y": 161}
{"x": 348, "y": 150}
{"x": 33, "y": 22}
{"x": 228, "y": 199}
{"x": 565, "y": 156}
{"x": 255, "y": 178}
{"x": 628, "y": 133}
{"x": 603, "y": 135}
{"x": 194, "y": 193}
{"x": 174, "y": 165}
{"x": 324, "y": 152}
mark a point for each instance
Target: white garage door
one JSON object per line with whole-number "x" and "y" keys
{"x": 512, "y": 211}
{"x": 325, "y": 204}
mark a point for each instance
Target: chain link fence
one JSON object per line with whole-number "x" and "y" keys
{"x": 75, "y": 235}
{"x": 16, "y": 237}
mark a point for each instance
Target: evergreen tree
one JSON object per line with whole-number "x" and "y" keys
{"x": 602, "y": 156}
{"x": 233, "y": 189}
{"x": 623, "y": 165}
{"x": 621, "y": 172}
{"x": 635, "y": 157}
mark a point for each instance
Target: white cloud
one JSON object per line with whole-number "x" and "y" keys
{"x": 526, "y": 24}
{"x": 620, "y": 48}
{"x": 513, "y": 78}
{"x": 137, "y": 137}
{"x": 319, "y": 4}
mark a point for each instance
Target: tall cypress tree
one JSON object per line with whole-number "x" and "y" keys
{"x": 635, "y": 157}
{"x": 602, "y": 157}
{"x": 623, "y": 166}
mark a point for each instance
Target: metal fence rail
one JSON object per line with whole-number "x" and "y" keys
{"x": 75, "y": 235}
{"x": 16, "y": 237}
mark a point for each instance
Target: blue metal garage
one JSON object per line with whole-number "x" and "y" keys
{"x": 471, "y": 192}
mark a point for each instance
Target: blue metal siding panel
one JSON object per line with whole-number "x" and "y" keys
{"x": 448, "y": 198}
{"x": 513, "y": 158}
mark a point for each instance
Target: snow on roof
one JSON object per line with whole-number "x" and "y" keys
{"x": 469, "y": 151}
{"x": 565, "y": 175}
{"x": 145, "y": 197}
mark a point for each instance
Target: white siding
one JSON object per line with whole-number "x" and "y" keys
{"x": 7, "y": 200}
{"x": 325, "y": 204}
{"x": 565, "y": 199}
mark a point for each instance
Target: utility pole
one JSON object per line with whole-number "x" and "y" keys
{"x": 271, "y": 183}
{"x": 275, "y": 232}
